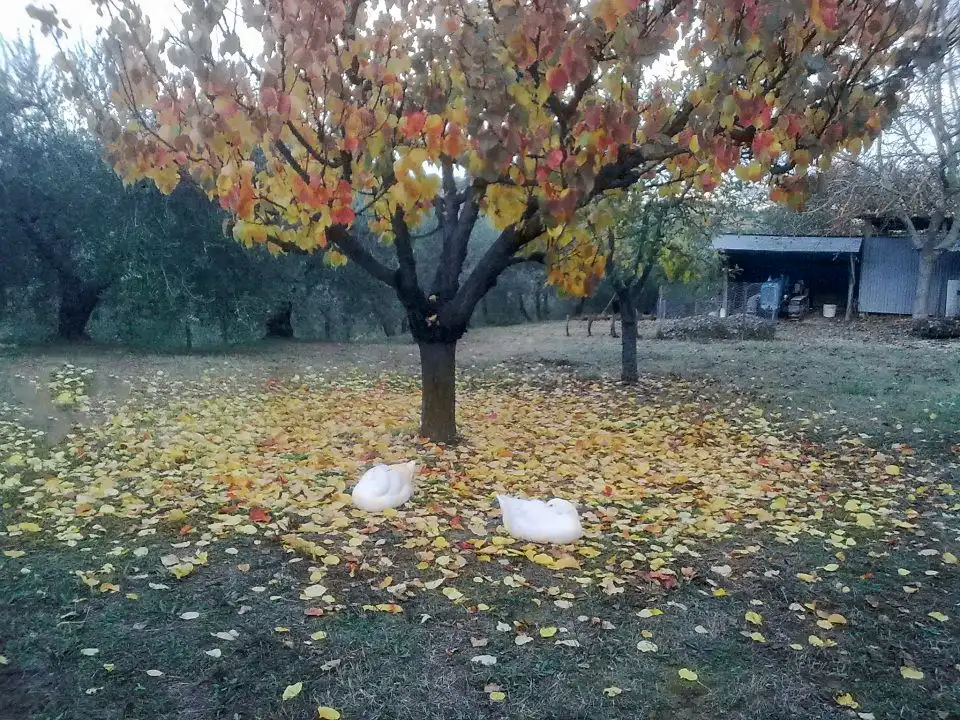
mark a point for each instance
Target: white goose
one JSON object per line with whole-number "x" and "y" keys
{"x": 384, "y": 486}
{"x": 555, "y": 521}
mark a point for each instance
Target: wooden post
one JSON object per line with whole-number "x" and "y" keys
{"x": 726, "y": 291}
{"x": 851, "y": 284}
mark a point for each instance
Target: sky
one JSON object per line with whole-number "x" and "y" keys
{"x": 79, "y": 13}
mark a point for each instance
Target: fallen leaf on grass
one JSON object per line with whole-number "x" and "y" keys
{"x": 90, "y": 652}
{"x": 911, "y": 673}
{"x": 155, "y": 673}
{"x": 486, "y": 660}
{"x": 327, "y": 713}
{"x": 612, "y": 691}
{"x": 646, "y": 646}
{"x": 292, "y": 691}
{"x": 548, "y": 632}
{"x": 214, "y": 653}
{"x": 937, "y": 615}
{"x": 689, "y": 675}
{"x": 189, "y": 615}
{"x": 498, "y": 696}
{"x": 846, "y": 700}
{"x": 754, "y": 617}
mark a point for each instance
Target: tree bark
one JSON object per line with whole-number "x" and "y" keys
{"x": 280, "y": 323}
{"x": 523, "y": 308}
{"x": 536, "y": 305}
{"x": 628, "y": 336}
{"x": 928, "y": 260}
{"x": 438, "y": 365}
{"x": 77, "y": 304}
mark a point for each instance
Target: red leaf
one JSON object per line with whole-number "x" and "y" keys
{"x": 456, "y": 522}
{"x": 269, "y": 98}
{"x": 342, "y": 215}
{"x": 313, "y": 612}
{"x": 554, "y": 159}
{"x": 185, "y": 529}
{"x": 258, "y": 514}
{"x": 557, "y": 78}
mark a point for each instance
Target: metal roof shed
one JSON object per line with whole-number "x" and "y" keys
{"x": 828, "y": 264}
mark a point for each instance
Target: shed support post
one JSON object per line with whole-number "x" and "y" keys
{"x": 851, "y": 284}
{"x": 725, "y": 310}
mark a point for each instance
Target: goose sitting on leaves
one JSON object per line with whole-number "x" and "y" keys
{"x": 555, "y": 521}
{"x": 384, "y": 486}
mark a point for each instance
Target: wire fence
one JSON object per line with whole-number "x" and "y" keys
{"x": 724, "y": 300}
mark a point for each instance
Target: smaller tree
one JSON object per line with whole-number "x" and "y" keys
{"x": 644, "y": 234}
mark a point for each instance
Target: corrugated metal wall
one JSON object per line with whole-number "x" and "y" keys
{"x": 888, "y": 277}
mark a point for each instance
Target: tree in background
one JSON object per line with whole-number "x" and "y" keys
{"x": 644, "y": 233}
{"x": 520, "y": 112}
{"x": 60, "y": 208}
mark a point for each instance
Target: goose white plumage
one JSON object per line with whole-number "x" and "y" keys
{"x": 384, "y": 486}
{"x": 555, "y": 521}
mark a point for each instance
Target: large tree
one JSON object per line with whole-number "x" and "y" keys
{"x": 522, "y": 111}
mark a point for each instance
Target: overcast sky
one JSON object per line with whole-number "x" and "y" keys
{"x": 79, "y": 13}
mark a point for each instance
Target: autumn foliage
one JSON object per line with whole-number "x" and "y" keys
{"x": 523, "y": 112}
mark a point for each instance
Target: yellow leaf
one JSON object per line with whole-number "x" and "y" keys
{"x": 815, "y": 641}
{"x": 893, "y": 469}
{"x": 832, "y": 567}
{"x": 757, "y": 637}
{"x": 949, "y": 558}
{"x": 89, "y": 652}
{"x": 686, "y": 674}
{"x": 754, "y": 617}
{"x": 650, "y": 612}
{"x": 911, "y": 673}
{"x": 612, "y": 691}
{"x": 646, "y": 646}
{"x": 498, "y": 696}
{"x": 865, "y": 520}
{"x": 14, "y": 553}
{"x": 452, "y": 593}
{"x": 318, "y": 635}
{"x": 846, "y": 700}
{"x": 327, "y": 713}
{"x": 719, "y": 592}
{"x": 937, "y": 615}
{"x": 837, "y": 619}
{"x": 181, "y": 570}
{"x": 796, "y": 646}
{"x": 292, "y": 691}
{"x": 548, "y": 632}
{"x": 313, "y": 591}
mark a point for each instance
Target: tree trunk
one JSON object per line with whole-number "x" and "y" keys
{"x": 546, "y": 304}
{"x": 536, "y": 305}
{"x": 438, "y": 367}
{"x": 77, "y": 304}
{"x": 280, "y": 323}
{"x": 523, "y": 308}
{"x": 928, "y": 260}
{"x": 628, "y": 333}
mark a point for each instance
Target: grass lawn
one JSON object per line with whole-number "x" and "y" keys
{"x": 772, "y": 531}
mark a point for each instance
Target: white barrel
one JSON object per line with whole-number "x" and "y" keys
{"x": 829, "y": 311}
